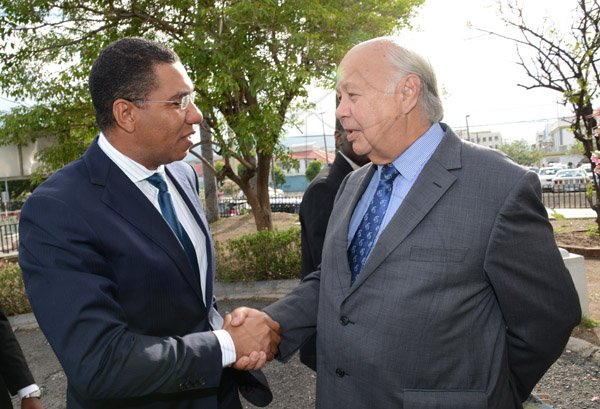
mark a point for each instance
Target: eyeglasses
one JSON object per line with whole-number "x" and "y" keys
{"x": 181, "y": 104}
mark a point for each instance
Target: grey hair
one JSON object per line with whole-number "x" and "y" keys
{"x": 404, "y": 62}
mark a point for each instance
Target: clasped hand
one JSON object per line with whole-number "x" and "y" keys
{"x": 255, "y": 336}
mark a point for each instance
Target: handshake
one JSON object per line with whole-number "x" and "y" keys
{"x": 255, "y": 336}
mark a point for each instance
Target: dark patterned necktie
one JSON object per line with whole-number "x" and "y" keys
{"x": 168, "y": 212}
{"x": 365, "y": 235}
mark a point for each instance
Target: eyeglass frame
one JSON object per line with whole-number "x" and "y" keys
{"x": 181, "y": 105}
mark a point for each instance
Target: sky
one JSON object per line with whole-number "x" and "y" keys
{"x": 477, "y": 73}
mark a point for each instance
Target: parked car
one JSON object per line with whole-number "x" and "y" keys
{"x": 534, "y": 169}
{"x": 546, "y": 175}
{"x": 570, "y": 180}
{"x": 587, "y": 168}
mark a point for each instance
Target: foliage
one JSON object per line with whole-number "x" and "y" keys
{"x": 278, "y": 176}
{"x": 592, "y": 231}
{"x": 12, "y": 291}
{"x": 251, "y": 62}
{"x": 588, "y": 322}
{"x": 577, "y": 148}
{"x": 563, "y": 61}
{"x": 313, "y": 169}
{"x": 522, "y": 153}
{"x": 264, "y": 255}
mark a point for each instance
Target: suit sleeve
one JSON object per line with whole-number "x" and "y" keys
{"x": 534, "y": 288}
{"x": 74, "y": 294}
{"x": 13, "y": 367}
{"x": 296, "y": 314}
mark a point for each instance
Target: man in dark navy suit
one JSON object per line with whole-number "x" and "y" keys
{"x": 117, "y": 257}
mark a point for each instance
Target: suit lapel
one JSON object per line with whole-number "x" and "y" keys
{"x": 350, "y": 194}
{"x": 121, "y": 195}
{"x": 431, "y": 184}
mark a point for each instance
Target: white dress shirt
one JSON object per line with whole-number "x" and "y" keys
{"x": 138, "y": 174}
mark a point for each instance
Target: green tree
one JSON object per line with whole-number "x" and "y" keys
{"x": 522, "y": 153}
{"x": 313, "y": 169}
{"x": 565, "y": 61}
{"x": 250, "y": 60}
{"x": 278, "y": 176}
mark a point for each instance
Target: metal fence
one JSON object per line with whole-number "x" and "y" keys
{"x": 284, "y": 204}
{"x": 567, "y": 200}
{"x": 9, "y": 237}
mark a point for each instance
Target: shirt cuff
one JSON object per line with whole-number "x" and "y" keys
{"x": 227, "y": 347}
{"x": 28, "y": 389}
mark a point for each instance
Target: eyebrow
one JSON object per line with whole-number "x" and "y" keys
{"x": 342, "y": 85}
{"x": 181, "y": 94}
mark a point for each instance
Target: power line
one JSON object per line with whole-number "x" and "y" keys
{"x": 526, "y": 121}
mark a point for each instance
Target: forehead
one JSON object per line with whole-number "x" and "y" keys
{"x": 173, "y": 77}
{"x": 363, "y": 68}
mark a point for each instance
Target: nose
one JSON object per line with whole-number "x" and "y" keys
{"x": 341, "y": 110}
{"x": 193, "y": 114}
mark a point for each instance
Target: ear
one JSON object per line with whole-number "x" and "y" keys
{"x": 124, "y": 113}
{"x": 409, "y": 92}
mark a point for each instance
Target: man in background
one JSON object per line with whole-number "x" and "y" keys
{"x": 15, "y": 376}
{"x": 315, "y": 210}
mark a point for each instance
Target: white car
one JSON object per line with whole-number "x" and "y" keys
{"x": 570, "y": 180}
{"x": 546, "y": 175}
{"x": 587, "y": 168}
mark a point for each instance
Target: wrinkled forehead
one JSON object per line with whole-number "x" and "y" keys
{"x": 363, "y": 68}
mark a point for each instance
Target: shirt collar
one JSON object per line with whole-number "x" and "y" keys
{"x": 412, "y": 160}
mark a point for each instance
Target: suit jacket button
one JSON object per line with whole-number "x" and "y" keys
{"x": 344, "y": 320}
{"x": 340, "y": 373}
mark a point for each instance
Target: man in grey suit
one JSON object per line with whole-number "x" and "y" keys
{"x": 463, "y": 301}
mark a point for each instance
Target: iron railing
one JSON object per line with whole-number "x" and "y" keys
{"x": 567, "y": 200}
{"x": 284, "y": 204}
{"x": 9, "y": 237}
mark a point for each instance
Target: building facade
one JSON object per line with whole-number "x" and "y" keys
{"x": 484, "y": 138}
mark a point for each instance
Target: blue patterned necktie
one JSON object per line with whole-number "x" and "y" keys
{"x": 365, "y": 235}
{"x": 168, "y": 212}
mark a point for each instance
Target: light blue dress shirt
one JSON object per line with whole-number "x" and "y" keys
{"x": 409, "y": 164}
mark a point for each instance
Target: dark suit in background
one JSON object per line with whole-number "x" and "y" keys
{"x": 315, "y": 210}
{"x": 14, "y": 372}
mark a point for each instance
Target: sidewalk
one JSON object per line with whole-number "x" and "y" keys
{"x": 586, "y": 213}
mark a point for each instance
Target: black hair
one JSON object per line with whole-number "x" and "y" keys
{"x": 125, "y": 69}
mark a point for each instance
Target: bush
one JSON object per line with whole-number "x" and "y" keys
{"x": 265, "y": 255}
{"x": 12, "y": 292}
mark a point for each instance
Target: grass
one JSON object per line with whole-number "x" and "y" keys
{"x": 592, "y": 230}
{"x": 588, "y": 322}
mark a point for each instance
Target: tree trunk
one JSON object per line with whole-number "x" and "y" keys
{"x": 210, "y": 181}
{"x": 256, "y": 190}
